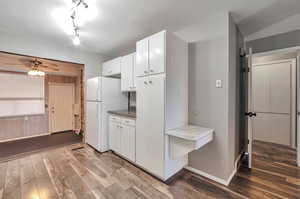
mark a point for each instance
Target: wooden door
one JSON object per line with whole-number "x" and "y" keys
{"x": 142, "y": 58}
{"x": 61, "y": 102}
{"x": 157, "y": 53}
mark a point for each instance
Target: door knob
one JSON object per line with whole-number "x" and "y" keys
{"x": 250, "y": 114}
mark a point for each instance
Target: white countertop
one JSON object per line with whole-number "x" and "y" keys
{"x": 190, "y": 132}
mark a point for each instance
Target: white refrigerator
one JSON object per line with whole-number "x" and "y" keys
{"x": 103, "y": 94}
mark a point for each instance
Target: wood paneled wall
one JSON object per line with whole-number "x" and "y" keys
{"x": 21, "y": 127}
{"x": 12, "y": 128}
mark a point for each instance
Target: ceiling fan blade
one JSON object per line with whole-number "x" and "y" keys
{"x": 49, "y": 67}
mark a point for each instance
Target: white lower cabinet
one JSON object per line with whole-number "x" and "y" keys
{"x": 122, "y": 136}
{"x": 115, "y": 135}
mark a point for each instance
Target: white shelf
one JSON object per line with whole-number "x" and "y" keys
{"x": 186, "y": 139}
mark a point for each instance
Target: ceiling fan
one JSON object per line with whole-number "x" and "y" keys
{"x": 38, "y": 68}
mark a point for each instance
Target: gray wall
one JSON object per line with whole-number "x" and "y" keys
{"x": 236, "y": 142}
{"x": 280, "y": 41}
{"x": 213, "y": 107}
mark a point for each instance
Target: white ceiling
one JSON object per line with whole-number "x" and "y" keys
{"x": 122, "y": 22}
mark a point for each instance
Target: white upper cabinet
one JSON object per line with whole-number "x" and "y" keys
{"x": 142, "y": 57}
{"x": 151, "y": 55}
{"x": 112, "y": 67}
{"x": 134, "y": 71}
{"x": 157, "y": 53}
{"x": 128, "y": 73}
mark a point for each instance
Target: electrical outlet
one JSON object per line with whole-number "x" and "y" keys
{"x": 218, "y": 83}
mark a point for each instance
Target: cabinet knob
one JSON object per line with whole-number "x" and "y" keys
{"x": 150, "y": 82}
{"x": 145, "y": 82}
{"x": 145, "y": 71}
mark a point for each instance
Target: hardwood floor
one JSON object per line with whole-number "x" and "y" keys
{"x": 8, "y": 150}
{"x": 83, "y": 173}
{"x": 274, "y": 174}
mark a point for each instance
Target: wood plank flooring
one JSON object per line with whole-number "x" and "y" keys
{"x": 63, "y": 173}
{"x": 29, "y": 145}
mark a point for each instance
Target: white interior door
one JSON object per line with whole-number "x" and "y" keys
{"x": 271, "y": 94}
{"x": 61, "y": 102}
{"x": 250, "y": 110}
{"x": 298, "y": 108}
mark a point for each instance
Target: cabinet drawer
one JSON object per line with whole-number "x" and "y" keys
{"x": 127, "y": 121}
{"x": 113, "y": 118}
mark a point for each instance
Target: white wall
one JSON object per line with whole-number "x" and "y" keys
{"x": 47, "y": 49}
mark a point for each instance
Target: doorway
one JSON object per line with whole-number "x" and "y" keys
{"x": 61, "y": 104}
{"x": 272, "y": 107}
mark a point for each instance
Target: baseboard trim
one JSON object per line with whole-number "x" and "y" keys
{"x": 214, "y": 178}
{"x": 202, "y": 173}
{"x": 24, "y": 138}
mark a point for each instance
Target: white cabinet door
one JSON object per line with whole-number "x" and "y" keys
{"x": 157, "y": 53}
{"x": 134, "y": 71}
{"x": 114, "y": 134}
{"x": 142, "y": 58}
{"x": 106, "y": 69}
{"x": 128, "y": 142}
{"x": 112, "y": 67}
{"x": 150, "y": 124}
{"x": 127, "y": 73}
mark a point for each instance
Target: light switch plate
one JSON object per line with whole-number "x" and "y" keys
{"x": 218, "y": 83}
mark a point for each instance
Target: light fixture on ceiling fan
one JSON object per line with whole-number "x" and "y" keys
{"x": 36, "y": 67}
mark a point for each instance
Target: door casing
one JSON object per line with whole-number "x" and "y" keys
{"x": 249, "y": 104}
